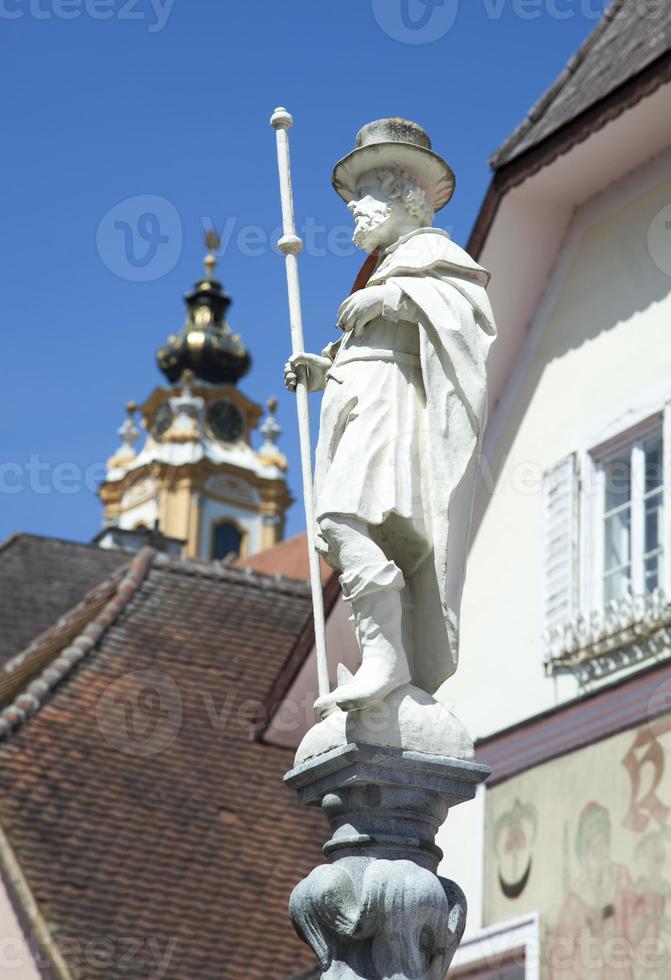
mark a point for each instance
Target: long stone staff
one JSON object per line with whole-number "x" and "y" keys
{"x": 290, "y": 245}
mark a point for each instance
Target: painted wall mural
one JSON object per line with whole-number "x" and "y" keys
{"x": 514, "y": 837}
{"x": 585, "y": 841}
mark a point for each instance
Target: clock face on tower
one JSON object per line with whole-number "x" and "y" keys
{"x": 225, "y": 421}
{"x": 160, "y": 421}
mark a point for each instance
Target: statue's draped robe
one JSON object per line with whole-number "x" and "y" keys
{"x": 410, "y": 442}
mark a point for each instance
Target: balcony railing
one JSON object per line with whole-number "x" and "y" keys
{"x": 629, "y": 631}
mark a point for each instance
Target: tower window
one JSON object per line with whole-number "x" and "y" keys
{"x": 226, "y": 540}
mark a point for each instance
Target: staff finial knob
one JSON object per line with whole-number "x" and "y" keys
{"x": 281, "y": 119}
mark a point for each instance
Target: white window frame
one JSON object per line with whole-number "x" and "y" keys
{"x": 488, "y": 947}
{"x": 592, "y": 508}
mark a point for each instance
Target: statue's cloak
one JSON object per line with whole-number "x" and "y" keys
{"x": 456, "y": 327}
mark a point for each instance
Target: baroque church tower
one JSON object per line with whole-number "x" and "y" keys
{"x": 197, "y": 479}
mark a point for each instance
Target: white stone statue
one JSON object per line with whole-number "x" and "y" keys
{"x": 402, "y": 417}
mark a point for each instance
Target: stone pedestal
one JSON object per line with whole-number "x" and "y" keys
{"x": 378, "y": 909}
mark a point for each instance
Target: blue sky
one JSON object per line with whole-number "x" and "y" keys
{"x": 162, "y": 106}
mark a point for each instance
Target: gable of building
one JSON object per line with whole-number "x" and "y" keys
{"x": 593, "y": 370}
{"x": 532, "y": 198}
{"x": 582, "y": 299}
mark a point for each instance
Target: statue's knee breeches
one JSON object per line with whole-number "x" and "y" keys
{"x": 364, "y": 567}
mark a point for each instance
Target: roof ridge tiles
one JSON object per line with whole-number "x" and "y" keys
{"x": 62, "y": 660}
{"x": 16, "y": 536}
{"x": 206, "y": 568}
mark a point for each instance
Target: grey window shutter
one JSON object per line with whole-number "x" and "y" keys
{"x": 561, "y": 537}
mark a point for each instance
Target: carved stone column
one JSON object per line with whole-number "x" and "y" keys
{"x": 385, "y": 779}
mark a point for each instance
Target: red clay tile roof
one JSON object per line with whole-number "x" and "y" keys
{"x": 40, "y": 579}
{"x": 147, "y": 821}
{"x": 289, "y": 558}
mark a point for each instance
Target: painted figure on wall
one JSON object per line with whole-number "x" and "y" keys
{"x": 652, "y": 910}
{"x": 594, "y": 938}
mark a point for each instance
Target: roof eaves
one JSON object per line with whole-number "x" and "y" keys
{"x": 503, "y": 154}
{"x": 56, "y": 653}
{"x": 31, "y": 919}
{"x": 561, "y": 141}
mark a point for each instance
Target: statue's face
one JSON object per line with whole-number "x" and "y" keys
{"x": 378, "y": 220}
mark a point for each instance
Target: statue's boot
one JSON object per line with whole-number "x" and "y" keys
{"x": 384, "y": 665}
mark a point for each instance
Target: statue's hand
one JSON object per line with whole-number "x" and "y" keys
{"x": 360, "y": 308}
{"x": 309, "y": 367}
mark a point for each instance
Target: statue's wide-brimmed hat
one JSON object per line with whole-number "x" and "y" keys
{"x": 401, "y": 143}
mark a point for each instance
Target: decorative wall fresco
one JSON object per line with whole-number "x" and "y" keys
{"x": 585, "y": 840}
{"x": 514, "y": 837}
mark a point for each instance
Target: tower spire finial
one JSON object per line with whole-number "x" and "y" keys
{"x": 212, "y": 244}
{"x": 206, "y": 343}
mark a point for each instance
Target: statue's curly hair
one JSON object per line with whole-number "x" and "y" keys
{"x": 400, "y": 186}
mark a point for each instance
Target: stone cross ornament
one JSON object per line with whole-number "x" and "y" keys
{"x": 402, "y": 418}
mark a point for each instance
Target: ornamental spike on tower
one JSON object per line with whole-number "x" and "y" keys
{"x": 271, "y": 431}
{"x": 206, "y": 344}
{"x": 129, "y": 435}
